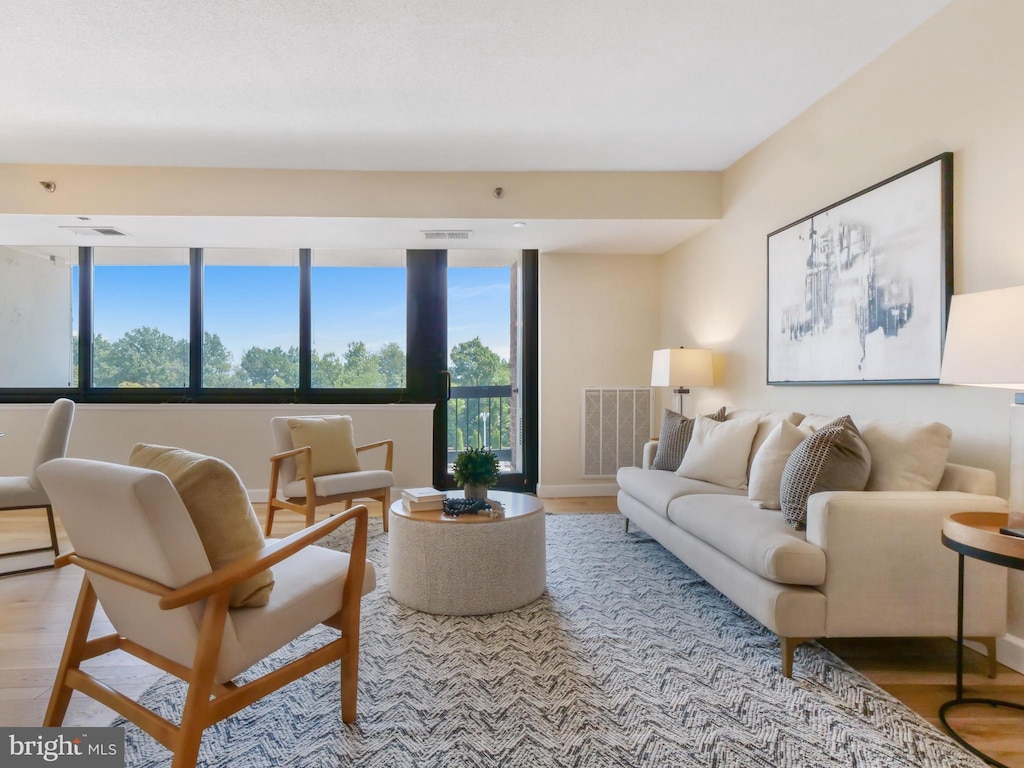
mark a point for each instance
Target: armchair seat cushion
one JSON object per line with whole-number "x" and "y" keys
{"x": 17, "y": 492}
{"x": 307, "y": 590}
{"x": 346, "y": 482}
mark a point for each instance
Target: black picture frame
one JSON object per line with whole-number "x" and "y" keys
{"x": 859, "y": 292}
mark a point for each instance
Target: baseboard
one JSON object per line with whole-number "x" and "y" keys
{"x": 1010, "y": 651}
{"x": 564, "y": 491}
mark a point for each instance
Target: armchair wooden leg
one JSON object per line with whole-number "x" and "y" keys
{"x": 270, "y": 519}
{"x": 78, "y": 634}
{"x": 195, "y": 716}
{"x": 350, "y": 681}
{"x": 386, "y": 507}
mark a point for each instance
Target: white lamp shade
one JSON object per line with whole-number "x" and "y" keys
{"x": 983, "y": 340}
{"x": 682, "y": 368}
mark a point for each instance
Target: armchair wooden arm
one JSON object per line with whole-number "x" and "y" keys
{"x": 390, "y": 446}
{"x": 224, "y": 578}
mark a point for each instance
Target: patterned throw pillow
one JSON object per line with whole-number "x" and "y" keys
{"x": 676, "y": 431}
{"x": 835, "y": 458}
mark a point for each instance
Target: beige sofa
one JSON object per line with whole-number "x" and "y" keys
{"x": 869, "y": 564}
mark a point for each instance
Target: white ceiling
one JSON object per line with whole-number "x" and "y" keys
{"x": 444, "y": 85}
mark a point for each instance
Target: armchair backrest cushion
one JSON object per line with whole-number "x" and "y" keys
{"x": 133, "y": 519}
{"x": 53, "y": 440}
{"x": 332, "y": 443}
{"x": 219, "y": 508}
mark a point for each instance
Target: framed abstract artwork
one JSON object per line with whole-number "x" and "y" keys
{"x": 859, "y": 291}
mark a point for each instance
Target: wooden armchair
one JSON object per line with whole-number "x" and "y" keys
{"x": 146, "y": 565}
{"x": 305, "y": 495}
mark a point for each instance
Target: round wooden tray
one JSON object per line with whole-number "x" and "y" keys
{"x": 981, "y": 531}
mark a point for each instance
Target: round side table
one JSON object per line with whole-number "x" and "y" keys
{"x": 976, "y": 535}
{"x": 471, "y": 564}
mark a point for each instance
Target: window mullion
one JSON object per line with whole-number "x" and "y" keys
{"x": 305, "y": 324}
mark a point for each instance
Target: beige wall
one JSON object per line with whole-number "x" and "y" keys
{"x": 950, "y": 85}
{"x": 239, "y": 434}
{"x": 599, "y": 320}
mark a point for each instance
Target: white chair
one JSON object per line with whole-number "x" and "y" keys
{"x": 26, "y": 492}
{"x": 147, "y": 567}
{"x": 304, "y": 496}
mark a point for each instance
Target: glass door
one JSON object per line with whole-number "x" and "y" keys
{"x": 472, "y": 351}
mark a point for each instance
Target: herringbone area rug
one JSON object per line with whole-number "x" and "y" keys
{"x": 629, "y": 659}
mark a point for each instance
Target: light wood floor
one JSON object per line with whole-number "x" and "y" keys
{"x": 35, "y": 611}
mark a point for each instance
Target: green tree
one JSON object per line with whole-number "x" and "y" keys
{"x": 474, "y": 365}
{"x": 360, "y": 367}
{"x": 391, "y": 365}
{"x": 143, "y": 357}
{"x": 271, "y": 368}
{"x": 218, "y": 368}
{"x": 328, "y": 370}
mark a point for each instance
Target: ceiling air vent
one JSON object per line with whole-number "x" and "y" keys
{"x": 447, "y": 234}
{"x": 96, "y": 231}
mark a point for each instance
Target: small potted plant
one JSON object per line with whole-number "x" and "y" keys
{"x": 476, "y": 470}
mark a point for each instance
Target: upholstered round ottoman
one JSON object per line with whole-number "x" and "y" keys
{"x": 471, "y": 564}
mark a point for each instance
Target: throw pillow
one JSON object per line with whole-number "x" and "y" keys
{"x": 906, "y": 456}
{"x": 218, "y": 504}
{"x": 674, "y": 437}
{"x": 718, "y": 452}
{"x": 834, "y": 458}
{"x": 332, "y": 442}
{"x": 770, "y": 462}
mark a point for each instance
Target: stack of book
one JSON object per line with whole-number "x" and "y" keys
{"x": 422, "y": 499}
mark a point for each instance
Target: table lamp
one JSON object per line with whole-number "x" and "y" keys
{"x": 983, "y": 350}
{"x": 682, "y": 368}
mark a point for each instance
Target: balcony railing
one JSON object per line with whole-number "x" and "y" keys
{"x": 480, "y": 417}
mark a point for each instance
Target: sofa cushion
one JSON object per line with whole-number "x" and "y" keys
{"x": 905, "y": 455}
{"x": 766, "y": 422}
{"x": 835, "y": 458}
{"x": 218, "y": 504}
{"x": 718, "y": 452}
{"x": 655, "y": 488}
{"x": 757, "y": 539}
{"x": 770, "y": 463}
{"x": 674, "y": 437}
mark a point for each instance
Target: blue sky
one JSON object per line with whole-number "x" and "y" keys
{"x": 259, "y": 306}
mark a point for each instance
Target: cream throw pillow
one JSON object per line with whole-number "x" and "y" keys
{"x": 906, "y": 456}
{"x": 333, "y": 443}
{"x": 769, "y": 463}
{"x": 718, "y": 452}
{"x": 219, "y": 507}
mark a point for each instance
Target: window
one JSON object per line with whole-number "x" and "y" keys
{"x": 140, "y": 317}
{"x": 38, "y": 316}
{"x": 250, "y": 318}
{"x": 358, "y": 310}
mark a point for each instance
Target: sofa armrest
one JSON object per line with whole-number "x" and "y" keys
{"x": 650, "y": 449}
{"x": 887, "y": 571}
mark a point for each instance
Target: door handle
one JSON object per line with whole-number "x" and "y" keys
{"x": 447, "y": 385}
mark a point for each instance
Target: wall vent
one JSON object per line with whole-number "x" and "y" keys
{"x": 615, "y": 422}
{"x": 95, "y": 231}
{"x": 447, "y": 234}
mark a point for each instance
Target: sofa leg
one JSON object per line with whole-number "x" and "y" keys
{"x": 788, "y": 645}
{"x": 627, "y": 525}
{"x": 990, "y": 648}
